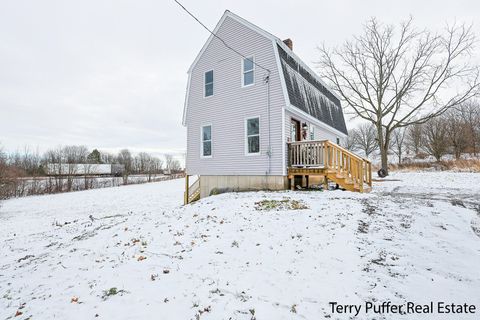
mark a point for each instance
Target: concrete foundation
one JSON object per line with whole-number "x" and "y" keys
{"x": 210, "y": 185}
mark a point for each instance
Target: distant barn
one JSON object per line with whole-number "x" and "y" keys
{"x": 81, "y": 169}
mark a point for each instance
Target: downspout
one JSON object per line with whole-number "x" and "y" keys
{"x": 269, "y": 150}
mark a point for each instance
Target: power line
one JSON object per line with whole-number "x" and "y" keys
{"x": 216, "y": 36}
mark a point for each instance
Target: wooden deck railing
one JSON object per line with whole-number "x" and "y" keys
{"x": 328, "y": 155}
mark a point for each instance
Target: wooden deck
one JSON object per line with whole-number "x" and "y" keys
{"x": 329, "y": 161}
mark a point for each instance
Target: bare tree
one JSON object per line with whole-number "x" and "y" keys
{"x": 125, "y": 157}
{"x": 171, "y": 163}
{"x": 398, "y": 143}
{"x": 457, "y": 133}
{"x": 144, "y": 159}
{"x": 414, "y": 140}
{"x": 470, "y": 114}
{"x": 74, "y": 155}
{"x": 158, "y": 163}
{"x": 366, "y": 138}
{"x": 395, "y": 80}
{"x": 435, "y": 133}
{"x": 3, "y": 174}
{"x": 106, "y": 157}
{"x": 351, "y": 141}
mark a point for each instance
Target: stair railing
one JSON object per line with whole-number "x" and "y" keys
{"x": 328, "y": 155}
{"x": 191, "y": 190}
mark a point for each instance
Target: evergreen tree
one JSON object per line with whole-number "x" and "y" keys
{"x": 94, "y": 157}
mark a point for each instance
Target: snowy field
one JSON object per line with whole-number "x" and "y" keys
{"x": 134, "y": 252}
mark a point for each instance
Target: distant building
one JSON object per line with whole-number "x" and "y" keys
{"x": 56, "y": 169}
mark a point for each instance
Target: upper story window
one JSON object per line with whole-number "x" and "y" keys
{"x": 206, "y": 141}
{"x": 248, "y": 68}
{"x": 253, "y": 136}
{"x": 209, "y": 83}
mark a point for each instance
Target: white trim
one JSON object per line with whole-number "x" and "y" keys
{"x": 205, "y": 84}
{"x": 280, "y": 74}
{"x": 287, "y": 102}
{"x": 220, "y": 22}
{"x": 207, "y": 43}
{"x": 201, "y": 140}
{"x": 300, "y": 113}
{"x": 185, "y": 104}
{"x": 242, "y": 71}
{"x": 249, "y": 154}
{"x": 284, "y": 144}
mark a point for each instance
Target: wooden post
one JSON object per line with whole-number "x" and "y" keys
{"x": 361, "y": 177}
{"x": 185, "y": 200}
{"x": 370, "y": 174}
{"x": 325, "y": 155}
{"x": 325, "y": 183}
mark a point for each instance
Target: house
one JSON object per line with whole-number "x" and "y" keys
{"x": 258, "y": 117}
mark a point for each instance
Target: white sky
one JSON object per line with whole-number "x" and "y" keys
{"x": 112, "y": 74}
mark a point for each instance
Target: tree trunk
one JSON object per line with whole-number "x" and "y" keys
{"x": 383, "y": 145}
{"x": 384, "y": 158}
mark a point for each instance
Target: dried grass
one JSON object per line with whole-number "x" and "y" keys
{"x": 462, "y": 165}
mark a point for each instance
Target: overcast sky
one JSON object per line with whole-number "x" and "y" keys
{"x": 112, "y": 74}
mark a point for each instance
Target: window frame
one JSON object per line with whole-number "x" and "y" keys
{"x": 243, "y": 72}
{"x": 247, "y": 136}
{"x": 311, "y": 131}
{"x": 202, "y": 141}
{"x": 205, "y": 84}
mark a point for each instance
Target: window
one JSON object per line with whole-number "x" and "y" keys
{"x": 311, "y": 129}
{"x": 209, "y": 83}
{"x": 253, "y": 135}
{"x": 248, "y": 68}
{"x": 338, "y": 140}
{"x": 206, "y": 141}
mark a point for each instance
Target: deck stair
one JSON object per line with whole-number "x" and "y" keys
{"x": 192, "y": 192}
{"x": 332, "y": 162}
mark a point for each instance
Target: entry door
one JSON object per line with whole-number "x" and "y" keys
{"x": 295, "y": 130}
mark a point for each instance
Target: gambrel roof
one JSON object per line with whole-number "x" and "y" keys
{"x": 304, "y": 89}
{"x": 309, "y": 94}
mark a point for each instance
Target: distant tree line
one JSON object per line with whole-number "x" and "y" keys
{"x": 455, "y": 132}
{"x": 20, "y": 166}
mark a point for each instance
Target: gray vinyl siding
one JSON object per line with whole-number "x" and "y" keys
{"x": 231, "y": 103}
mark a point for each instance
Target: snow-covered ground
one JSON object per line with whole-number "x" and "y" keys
{"x": 414, "y": 238}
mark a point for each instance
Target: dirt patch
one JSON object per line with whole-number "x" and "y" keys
{"x": 280, "y": 205}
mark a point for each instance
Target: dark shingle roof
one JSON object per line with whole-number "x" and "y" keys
{"x": 310, "y": 95}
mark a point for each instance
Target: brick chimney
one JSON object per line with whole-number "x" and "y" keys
{"x": 289, "y": 43}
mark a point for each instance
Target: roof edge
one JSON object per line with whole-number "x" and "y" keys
{"x": 305, "y": 66}
{"x": 239, "y": 19}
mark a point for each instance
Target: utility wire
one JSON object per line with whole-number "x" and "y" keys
{"x": 216, "y": 36}
{"x": 266, "y": 79}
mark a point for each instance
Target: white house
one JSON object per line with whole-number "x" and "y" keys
{"x": 258, "y": 117}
